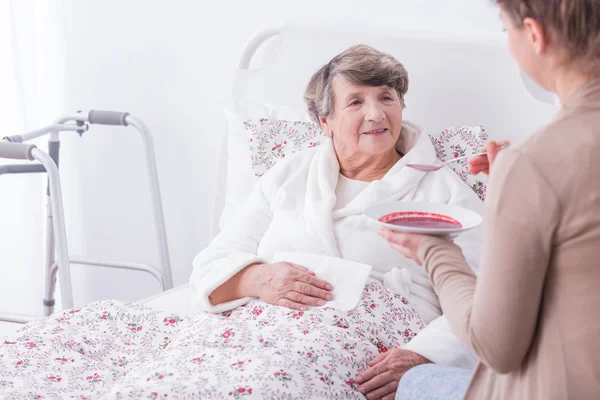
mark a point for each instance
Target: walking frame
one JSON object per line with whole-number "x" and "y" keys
{"x": 57, "y": 256}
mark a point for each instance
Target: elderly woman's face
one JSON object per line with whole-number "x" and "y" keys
{"x": 365, "y": 120}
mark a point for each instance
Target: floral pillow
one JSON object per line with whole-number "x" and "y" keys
{"x": 459, "y": 141}
{"x": 272, "y": 140}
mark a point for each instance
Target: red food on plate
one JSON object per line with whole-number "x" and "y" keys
{"x": 416, "y": 219}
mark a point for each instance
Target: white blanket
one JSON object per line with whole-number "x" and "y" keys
{"x": 291, "y": 209}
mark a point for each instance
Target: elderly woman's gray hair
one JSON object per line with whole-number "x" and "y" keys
{"x": 361, "y": 65}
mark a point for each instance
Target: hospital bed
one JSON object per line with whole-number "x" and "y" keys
{"x": 454, "y": 80}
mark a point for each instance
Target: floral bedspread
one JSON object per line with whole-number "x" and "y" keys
{"x": 120, "y": 350}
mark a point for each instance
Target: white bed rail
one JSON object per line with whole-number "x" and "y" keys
{"x": 244, "y": 59}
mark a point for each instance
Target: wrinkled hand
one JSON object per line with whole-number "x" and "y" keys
{"x": 290, "y": 285}
{"x": 382, "y": 378}
{"x": 406, "y": 244}
{"x": 484, "y": 163}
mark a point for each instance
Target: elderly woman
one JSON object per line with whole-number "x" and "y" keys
{"x": 532, "y": 314}
{"x": 313, "y": 203}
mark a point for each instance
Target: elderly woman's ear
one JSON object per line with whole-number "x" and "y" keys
{"x": 326, "y": 127}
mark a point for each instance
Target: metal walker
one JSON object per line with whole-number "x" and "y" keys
{"x": 57, "y": 255}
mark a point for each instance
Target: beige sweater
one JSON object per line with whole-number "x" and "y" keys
{"x": 533, "y": 314}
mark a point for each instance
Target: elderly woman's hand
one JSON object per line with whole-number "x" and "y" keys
{"x": 382, "y": 378}
{"x": 289, "y": 285}
{"x": 406, "y": 244}
{"x": 484, "y": 163}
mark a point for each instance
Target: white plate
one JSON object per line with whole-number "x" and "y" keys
{"x": 467, "y": 218}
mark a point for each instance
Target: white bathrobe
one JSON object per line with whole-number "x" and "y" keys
{"x": 292, "y": 209}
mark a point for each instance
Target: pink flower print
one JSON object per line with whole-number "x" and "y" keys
{"x": 312, "y": 144}
{"x": 241, "y": 390}
{"x": 257, "y": 311}
{"x": 94, "y": 378}
{"x": 74, "y": 311}
{"x": 20, "y": 362}
{"x": 172, "y": 320}
{"x": 309, "y": 354}
{"x": 197, "y": 360}
{"x": 381, "y": 347}
{"x": 373, "y": 305}
{"x": 227, "y": 333}
{"x": 350, "y": 382}
{"x": 161, "y": 376}
{"x": 404, "y": 301}
{"x": 31, "y": 345}
{"x": 406, "y": 333}
{"x": 279, "y": 145}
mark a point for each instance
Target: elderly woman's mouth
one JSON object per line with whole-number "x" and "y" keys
{"x": 376, "y": 132}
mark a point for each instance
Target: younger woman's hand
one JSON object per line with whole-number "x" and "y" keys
{"x": 484, "y": 163}
{"x": 406, "y": 244}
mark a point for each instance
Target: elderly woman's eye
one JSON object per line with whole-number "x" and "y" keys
{"x": 354, "y": 103}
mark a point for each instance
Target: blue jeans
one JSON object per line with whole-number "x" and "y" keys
{"x": 434, "y": 382}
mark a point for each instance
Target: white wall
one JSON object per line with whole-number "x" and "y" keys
{"x": 171, "y": 63}
{"x": 30, "y": 95}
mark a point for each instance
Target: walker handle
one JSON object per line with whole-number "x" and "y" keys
{"x": 101, "y": 117}
{"x": 16, "y": 151}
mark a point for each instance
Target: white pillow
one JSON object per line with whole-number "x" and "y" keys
{"x": 240, "y": 177}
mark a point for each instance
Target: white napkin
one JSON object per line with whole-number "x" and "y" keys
{"x": 348, "y": 278}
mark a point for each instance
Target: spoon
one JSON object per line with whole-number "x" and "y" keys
{"x": 435, "y": 167}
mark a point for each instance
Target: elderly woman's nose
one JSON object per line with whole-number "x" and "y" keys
{"x": 374, "y": 113}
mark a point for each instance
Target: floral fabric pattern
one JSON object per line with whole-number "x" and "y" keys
{"x": 121, "y": 350}
{"x": 269, "y": 352}
{"x": 272, "y": 140}
{"x": 459, "y": 141}
{"x": 81, "y": 353}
